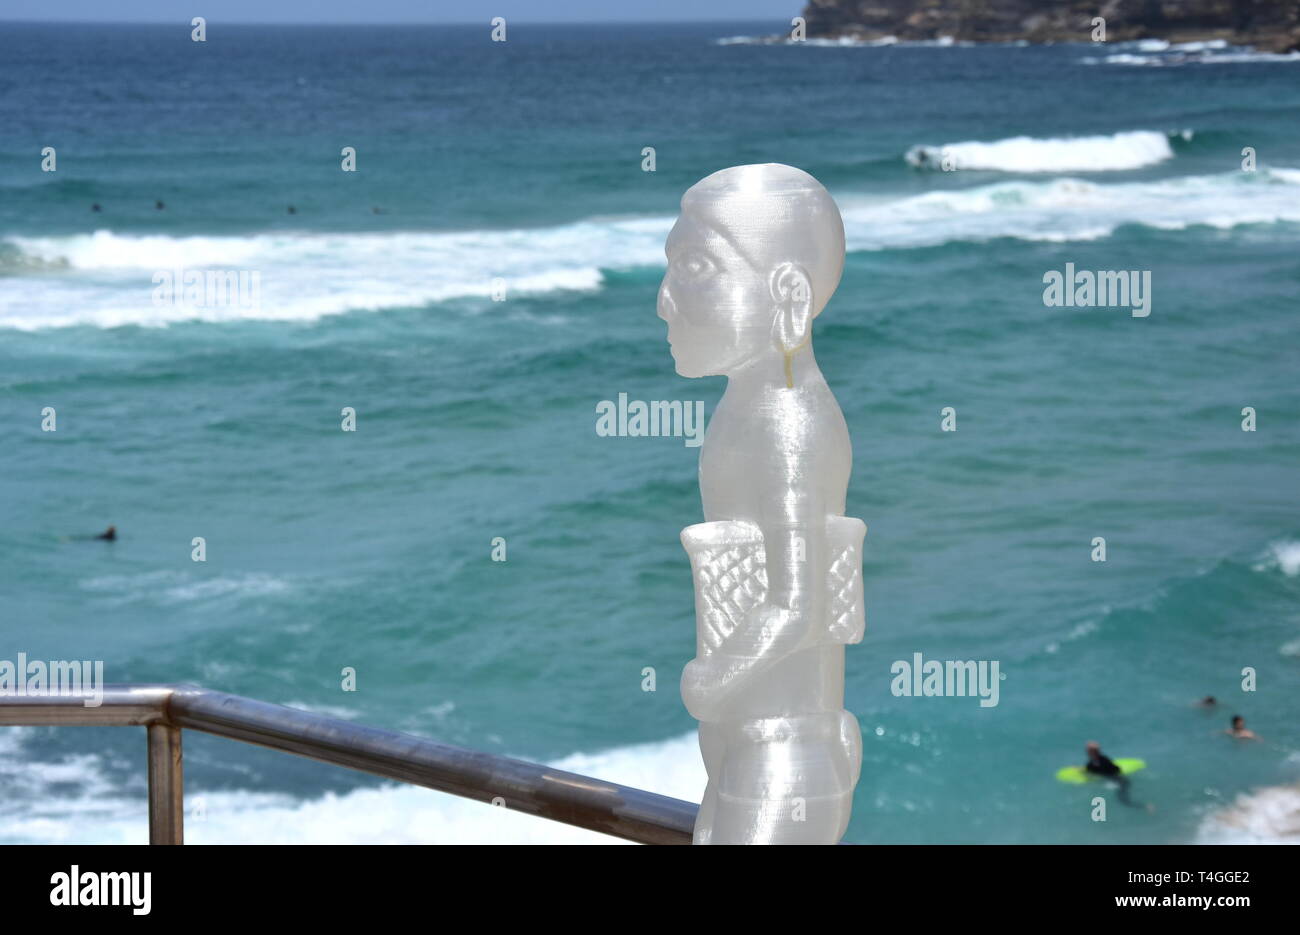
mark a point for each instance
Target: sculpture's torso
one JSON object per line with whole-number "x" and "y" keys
{"x": 752, "y": 445}
{"x": 781, "y": 752}
{"x": 758, "y": 455}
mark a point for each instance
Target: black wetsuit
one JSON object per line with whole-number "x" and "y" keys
{"x": 1101, "y": 765}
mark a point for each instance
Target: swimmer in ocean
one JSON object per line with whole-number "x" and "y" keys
{"x": 1238, "y": 729}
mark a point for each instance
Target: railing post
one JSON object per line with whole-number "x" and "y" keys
{"x": 166, "y": 785}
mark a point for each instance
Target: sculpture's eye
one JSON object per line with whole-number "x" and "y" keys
{"x": 695, "y": 265}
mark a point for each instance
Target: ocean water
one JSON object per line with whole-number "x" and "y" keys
{"x": 475, "y": 418}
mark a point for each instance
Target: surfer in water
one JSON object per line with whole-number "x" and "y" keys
{"x": 108, "y": 535}
{"x": 1238, "y": 729}
{"x": 1101, "y": 765}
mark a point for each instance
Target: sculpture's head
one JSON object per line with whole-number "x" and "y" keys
{"x": 752, "y": 260}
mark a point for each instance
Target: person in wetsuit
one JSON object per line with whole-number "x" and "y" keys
{"x": 1101, "y": 765}
{"x": 109, "y": 534}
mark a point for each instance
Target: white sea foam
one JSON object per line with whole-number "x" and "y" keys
{"x": 11, "y": 741}
{"x": 49, "y": 802}
{"x": 1158, "y": 53}
{"x": 104, "y": 279}
{"x": 1265, "y": 816}
{"x": 172, "y": 587}
{"x": 1288, "y": 558}
{"x": 1066, "y": 209}
{"x": 846, "y": 42}
{"x": 1205, "y": 46}
{"x": 1284, "y": 556}
{"x": 390, "y": 814}
{"x": 1120, "y": 151}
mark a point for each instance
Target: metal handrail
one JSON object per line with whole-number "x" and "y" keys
{"x": 164, "y": 710}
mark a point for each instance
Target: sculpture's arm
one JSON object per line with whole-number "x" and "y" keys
{"x": 709, "y": 681}
{"x": 796, "y": 551}
{"x": 795, "y": 547}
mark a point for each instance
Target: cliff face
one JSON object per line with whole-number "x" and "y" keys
{"x": 1272, "y": 25}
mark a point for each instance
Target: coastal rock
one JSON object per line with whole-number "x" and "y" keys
{"x": 1269, "y": 25}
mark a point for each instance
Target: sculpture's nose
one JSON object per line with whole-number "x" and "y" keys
{"x": 665, "y": 308}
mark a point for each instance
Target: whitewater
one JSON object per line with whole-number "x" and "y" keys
{"x": 103, "y": 279}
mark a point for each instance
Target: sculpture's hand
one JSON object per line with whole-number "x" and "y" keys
{"x": 700, "y": 688}
{"x": 769, "y": 634}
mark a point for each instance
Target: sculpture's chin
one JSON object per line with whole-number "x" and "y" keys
{"x": 695, "y": 373}
{"x": 685, "y": 368}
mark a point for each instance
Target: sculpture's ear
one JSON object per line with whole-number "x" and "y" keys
{"x": 792, "y": 291}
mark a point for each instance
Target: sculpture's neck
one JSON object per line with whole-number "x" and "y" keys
{"x": 774, "y": 371}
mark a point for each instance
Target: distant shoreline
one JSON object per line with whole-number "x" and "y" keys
{"x": 1263, "y": 43}
{"x": 1263, "y": 25}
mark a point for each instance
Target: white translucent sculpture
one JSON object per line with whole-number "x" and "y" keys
{"x": 752, "y": 260}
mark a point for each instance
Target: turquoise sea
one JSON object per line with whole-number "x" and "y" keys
{"x": 522, "y": 162}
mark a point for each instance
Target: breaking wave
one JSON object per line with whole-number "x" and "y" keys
{"x": 105, "y": 279}
{"x": 1120, "y": 151}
